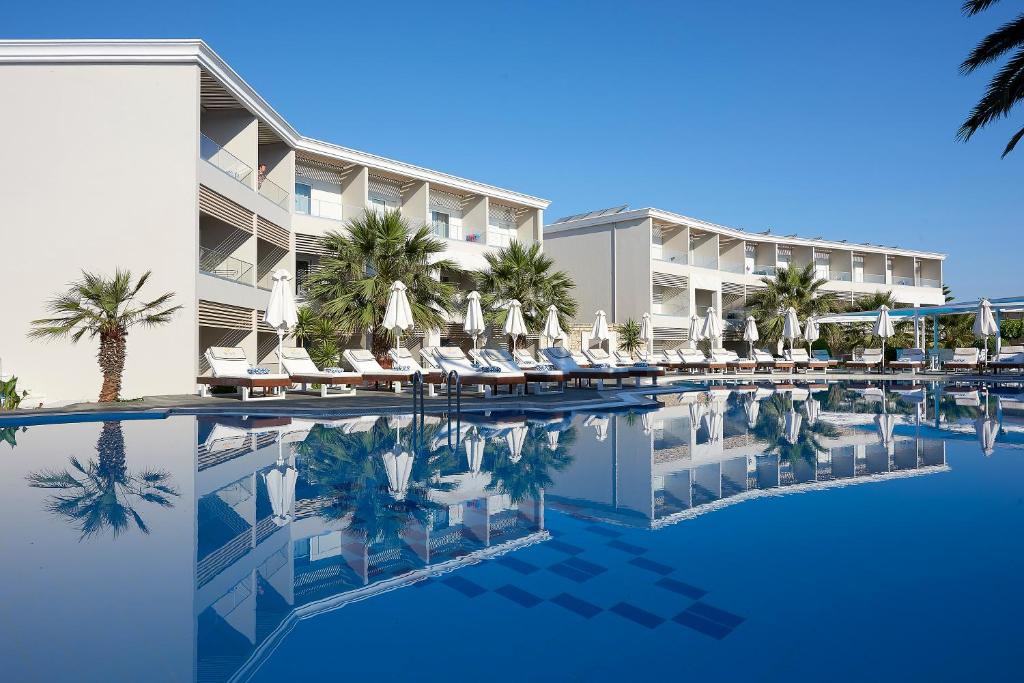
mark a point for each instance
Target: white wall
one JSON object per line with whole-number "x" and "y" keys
{"x": 100, "y": 173}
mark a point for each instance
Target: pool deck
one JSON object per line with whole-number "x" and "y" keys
{"x": 385, "y": 402}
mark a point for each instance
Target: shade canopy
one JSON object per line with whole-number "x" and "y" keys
{"x": 750, "y": 333}
{"x": 474, "y": 451}
{"x": 811, "y": 331}
{"x": 695, "y": 330}
{"x": 713, "y": 421}
{"x": 984, "y": 321}
{"x": 883, "y": 324}
{"x": 552, "y": 328}
{"x": 987, "y": 429}
{"x": 712, "y": 326}
{"x": 515, "y": 439}
{"x": 515, "y": 326}
{"x": 813, "y": 409}
{"x": 398, "y": 316}
{"x": 474, "y": 324}
{"x": 281, "y": 313}
{"x": 281, "y": 491}
{"x": 646, "y": 329}
{"x": 599, "y": 330}
{"x": 885, "y": 423}
{"x": 752, "y": 409}
{"x": 791, "y": 325}
{"x": 398, "y": 465}
{"x": 792, "y": 426}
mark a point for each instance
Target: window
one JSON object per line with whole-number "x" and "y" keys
{"x": 302, "y": 198}
{"x": 750, "y": 258}
{"x": 858, "y": 268}
{"x": 822, "y": 263}
{"x": 440, "y": 223}
{"x": 379, "y": 205}
{"x": 785, "y": 257}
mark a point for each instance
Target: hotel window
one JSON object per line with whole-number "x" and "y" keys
{"x": 440, "y": 222}
{"x": 785, "y": 257}
{"x": 750, "y": 259}
{"x": 888, "y": 269}
{"x": 383, "y": 194}
{"x": 822, "y": 262}
{"x": 858, "y": 268}
{"x": 303, "y": 194}
{"x": 379, "y": 205}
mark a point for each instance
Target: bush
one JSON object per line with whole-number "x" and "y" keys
{"x": 9, "y": 396}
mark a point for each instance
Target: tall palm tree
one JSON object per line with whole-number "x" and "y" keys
{"x": 790, "y": 287}
{"x": 99, "y": 494}
{"x": 1006, "y": 88}
{"x": 524, "y": 273}
{"x": 359, "y": 267}
{"x": 106, "y": 308}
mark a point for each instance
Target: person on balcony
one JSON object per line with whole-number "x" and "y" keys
{"x": 261, "y": 175}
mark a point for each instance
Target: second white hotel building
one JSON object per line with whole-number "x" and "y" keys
{"x": 630, "y": 262}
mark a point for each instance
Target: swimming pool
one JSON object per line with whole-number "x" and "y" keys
{"x": 671, "y": 542}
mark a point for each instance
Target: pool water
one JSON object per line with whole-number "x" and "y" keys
{"x": 817, "y": 532}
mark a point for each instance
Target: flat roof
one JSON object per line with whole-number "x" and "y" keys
{"x": 624, "y": 213}
{"x": 196, "y": 51}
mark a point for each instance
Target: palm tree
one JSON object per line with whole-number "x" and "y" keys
{"x": 359, "y": 267}
{"x": 524, "y": 273}
{"x": 790, "y": 287}
{"x": 319, "y": 335}
{"x": 531, "y": 474}
{"x": 863, "y": 335}
{"x": 98, "y": 494}
{"x": 106, "y": 308}
{"x": 1004, "y": 89}
{"x": 629, "y": 336}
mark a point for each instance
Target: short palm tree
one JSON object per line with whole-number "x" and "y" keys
{"x": 319, "y": 335}
{"x": 629, "y": 337}
{"x": 790, "y": 287}
{"x": 99, "y": 494}
{"x": 524, "y": 273}
{"x": 106, "y": 308}
{"x": 1005, "y": 88}
{"x": 356, "y": 273}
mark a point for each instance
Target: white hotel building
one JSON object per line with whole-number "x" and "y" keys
{"x": 630, "y": 262}
{"x": 144, "y": 154}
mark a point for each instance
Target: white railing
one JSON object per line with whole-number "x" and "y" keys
{"x": 323, "y": 208}
{"x": 874, "y": 278}
{"x": 926, "y": 282}
{"x": 274, "y": 192}
{"x": 733, "y": 267}
{"x": 765, "y": 270}
{"x": 660, "y": 253}
{"x": 903, "y": 281}
{"x": 839, "y": 277}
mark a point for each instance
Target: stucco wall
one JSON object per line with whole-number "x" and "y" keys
{"x": 586, "y": 255}
{"x": 102, "y": 174}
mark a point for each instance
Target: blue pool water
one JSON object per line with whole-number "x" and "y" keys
{"x": 824, "y": 532}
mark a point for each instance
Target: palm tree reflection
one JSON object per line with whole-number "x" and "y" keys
{"x": 101, "y": 494}
{"x": 787, "y": 431}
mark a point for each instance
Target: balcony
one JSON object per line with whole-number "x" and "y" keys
{"x": 223, "y": 160}
{"x": 660, "y": 253}
{"x": 765, "y": 270}
{"x": 739, "y": 268}
{"x": 274, "y": 192}
{"x": 874, "y": 279}
{"x": 926, "y": 282}
{"x": 839, "y": 277}
{"x": 323, "y": 208}
{"x": 224, "y": 266}
{"x": 903, "y": 281}
{"x": 704, "y": 261}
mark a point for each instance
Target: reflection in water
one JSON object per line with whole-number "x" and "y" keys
{"x": 101, "y": 494}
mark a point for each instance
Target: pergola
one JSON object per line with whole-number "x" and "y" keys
{"x": 918, "y": 314}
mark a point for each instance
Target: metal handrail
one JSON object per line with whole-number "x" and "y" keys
{"x": 274, "y": 192}
{"x": 219, "y": 264}
{"x": 451, "y": 380}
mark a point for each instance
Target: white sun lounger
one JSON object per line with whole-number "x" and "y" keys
{"x": 303, "y": 371}
{"x": 564, "y": 360}
{"x": 504, "y": 360}
{"x": 452, "y": 359}
{"x": 364, "y": 362}
{"x": 230, "y": 368}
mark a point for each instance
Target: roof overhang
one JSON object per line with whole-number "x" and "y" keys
{"x": 195, "y": 51}
{"x": 1013, "y": 304}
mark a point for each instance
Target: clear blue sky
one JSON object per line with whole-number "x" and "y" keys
{"x": 815, "y": 118}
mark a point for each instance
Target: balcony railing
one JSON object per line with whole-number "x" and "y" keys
{"x": 219, "y": 264}
{"x": 225, "y": 161}
{"x": 274, "y": 192}
{"x": 660, "y": 253}
{"x": 926, "y": 282}
{"x": 323, "y": 208}
{"x": 874, "y": 279}
{"x": 903, "y": 281}
{"x": 839, "y": 277}
{"x": 474, "y": 235}
{"x": 704, "y": 261}
{"x": 732, "y": 267}
{"x": 765, "y": 270}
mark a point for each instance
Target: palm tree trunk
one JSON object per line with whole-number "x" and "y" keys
{"x": 111, "y": 359}
{"x": 380, "y": 345}
{"x": 110, "y": 448}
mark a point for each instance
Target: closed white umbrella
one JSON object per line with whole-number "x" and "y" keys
{"x": 987, "y": 429}
{"x": 750, "y": 334}
{"x": 552, "y": 435}
{"x": 599, "y": 330}
{"x": 474, "y": 323}
{"x": 281, "y": 313}
{"x": 883, "y": 328}
{"x": 885, "y": 423}
{"x": 713, "y": 421}
{"x": 398, "y": 316}
{"x": 398, "y": 465}
{"x": 811, "y": 333}
{"x": 985, "y": 323}
{"x": 791, "y": 327}
{"x": 812, "y": 408}
{"x": 646, "y": 332}
{"x": 552, "y": 328}
{"x": 696, "y": 415}
{"x": 645, "y": 422}
{"x": 515, "y": 326}
{"x": 280, "y": 483}
{"x": 753, "y": 409}
{"x": 712, "y": 327}
{"x": 515, "y": 438}
{"x": 475, "y": 451}
{"x": 695, "y": 335}
{"x": 792, "y": 427}
{"x": 600, "y": 425}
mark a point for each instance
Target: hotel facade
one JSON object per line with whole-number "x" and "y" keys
{"x": 630, "y": 262}
{"x": 156, "y": 155}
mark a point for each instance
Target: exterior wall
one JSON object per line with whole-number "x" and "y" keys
{"x": 118, "y": 145}
{"x": 631, "y": 276}
{"x": 587, "y": 256}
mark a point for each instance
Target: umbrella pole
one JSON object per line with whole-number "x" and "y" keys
{"x": 280, "y": 345}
